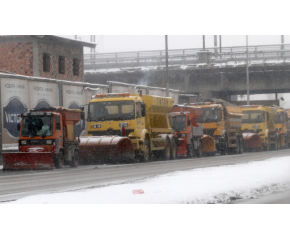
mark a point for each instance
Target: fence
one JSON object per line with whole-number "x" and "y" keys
{"x": 179, "y": 57}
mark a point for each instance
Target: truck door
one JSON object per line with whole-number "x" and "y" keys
{"x": 59, "y": 133}
{"x": 140, "y": 115}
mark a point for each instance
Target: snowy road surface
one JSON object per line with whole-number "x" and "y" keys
{"x": 217, "y": 179}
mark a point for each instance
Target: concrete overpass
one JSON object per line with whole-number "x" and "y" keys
{"x": 210, "y": 81}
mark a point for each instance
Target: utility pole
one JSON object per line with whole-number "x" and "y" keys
{"x": 203, "y": 42}
{"x": 167, "y": 83}
{"x": 247, "y": 68}
{"x": 215, "y": 45}
{"x": 221, "y": 46}
{"x": 282, "y": 45}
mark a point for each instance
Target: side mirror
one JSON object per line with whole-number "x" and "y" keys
{"x": 188, "y": 122}
{"x": 18, "y": 126}
{"x": 82, "y": 108}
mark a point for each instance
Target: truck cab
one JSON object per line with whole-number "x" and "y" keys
{"x": 189, "y": 133}
{"x": 260, "y": 119}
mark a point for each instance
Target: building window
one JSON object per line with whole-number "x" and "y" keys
{"x": 61, "y": 65}
{"x": 76, "y": 67}
{"x": 46, "y": 62}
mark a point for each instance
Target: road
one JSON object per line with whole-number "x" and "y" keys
{"x": 19, "y": 184}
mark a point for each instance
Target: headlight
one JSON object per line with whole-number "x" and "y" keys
{"x": 23, "y": 142}
{"x": 48, "y": 142}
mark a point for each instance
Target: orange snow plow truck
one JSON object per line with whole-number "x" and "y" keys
{"x": 46, "y": 140}
{"x": 183, "y": 120}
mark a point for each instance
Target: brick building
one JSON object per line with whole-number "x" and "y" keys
{"x": 45, "y": 56}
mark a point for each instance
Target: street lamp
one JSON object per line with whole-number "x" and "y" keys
{"x": 167, "y": 83}
{"x": 247, "y": 69}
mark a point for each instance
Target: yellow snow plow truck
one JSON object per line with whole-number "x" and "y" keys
{"x": 222, "y": 121}
{"x": 259, "y": 128}
{"x": 122, "y": 127}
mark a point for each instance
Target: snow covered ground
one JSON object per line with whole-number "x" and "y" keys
{"x": 206, "y": 185}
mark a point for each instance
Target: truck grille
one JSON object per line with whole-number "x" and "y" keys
{"x": 110, "y": 132}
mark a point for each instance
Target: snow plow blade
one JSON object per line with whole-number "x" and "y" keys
{"x": 208, "y": 145}
{"x": 252, "y": 140}
{"x": 27, "y": 161}
{"x": 106, "y": 149}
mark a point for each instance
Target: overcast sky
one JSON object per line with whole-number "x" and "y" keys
{"x": 126, "y": 43}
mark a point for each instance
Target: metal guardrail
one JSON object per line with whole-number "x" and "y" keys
{"x": 180, "y": 57}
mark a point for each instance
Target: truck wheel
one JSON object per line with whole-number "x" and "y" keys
{"x": 190, "y": 151}
{"x": 199, "y": 150}
{"x": 173, "y": 151}
{"x": 237, "y": 148}
{"x": 241, "y": 146}
{"x": 166, "y": 151}
{"x": 75, "y": 159}
{"x": 146, "y": 154}
{"x": 266, "y": 148}
{"x": 59, "y": 160}
{"x": 286, "y": 143}
{"x": 224, "y": 150}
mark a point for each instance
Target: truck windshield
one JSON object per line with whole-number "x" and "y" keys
{"x": 252, "y": 117}
{"x": 37, "y": 126}
{"x": 111, "y": 110}
{"x": 208, "y": 115}
{"x": 179, "y": 123}
{"x": 280, "y": 118}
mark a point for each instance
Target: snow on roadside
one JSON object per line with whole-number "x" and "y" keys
{"x": 206, "y": 185}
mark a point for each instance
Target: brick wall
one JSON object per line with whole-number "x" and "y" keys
{"x": 17, "y": 58}
{"x": 69, "y": 53}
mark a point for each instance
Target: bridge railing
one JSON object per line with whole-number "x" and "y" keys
{"x": 179, "y": 57}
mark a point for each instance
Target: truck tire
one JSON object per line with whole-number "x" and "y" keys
{"x": 146, "y": 154}
{"x": 166, "y": 151}
{"x": 236, "y": 150}
{"x": 173, "y": 152}
{"x": 224, "y": 150}
{"x": 241, "y": 145}
{"x": 190, "y": 151}
{"x": 75, "y": 160}
{"x": 59, "y": 160}
{"x": 198, "y": 152}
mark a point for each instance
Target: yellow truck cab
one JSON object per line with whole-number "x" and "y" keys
{"x": 260, "y": 119}
{"x": 141, "y": 118}
{"x": 222, "y": 121}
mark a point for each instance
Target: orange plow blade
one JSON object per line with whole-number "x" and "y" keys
{"x": 27, "y": 161}
{"x": 106, "y": 149}
{"x": 208, "y": 144}
{"x": 252, "y": 140}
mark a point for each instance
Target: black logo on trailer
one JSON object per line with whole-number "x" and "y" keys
{"x": 80, "y": 126}
{"x": 42, "y": 105}
{"x": 10, "y": 116}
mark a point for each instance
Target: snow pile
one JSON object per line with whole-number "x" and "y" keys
{"x": 206, "y": 185}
